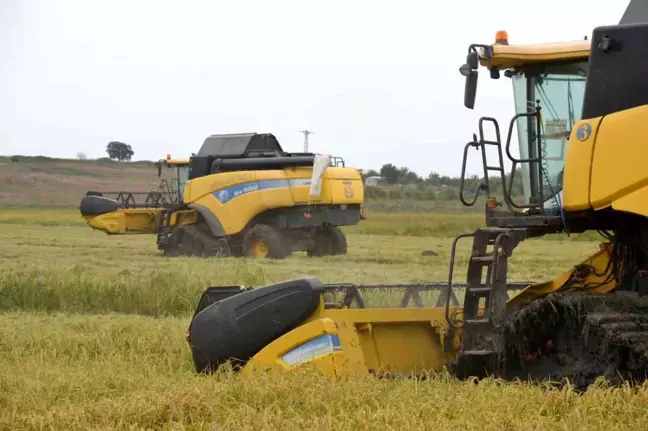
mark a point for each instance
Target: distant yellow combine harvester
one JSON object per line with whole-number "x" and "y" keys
{"x": 241, "y": 195}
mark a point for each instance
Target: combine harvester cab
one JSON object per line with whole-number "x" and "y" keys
{"x": 242, "y": 195}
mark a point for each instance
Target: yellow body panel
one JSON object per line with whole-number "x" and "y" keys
{"x": 300, "y": 182}
{"x": 635, "y": 202}
{"x": 578, "y": 165}
{"x": 234, "y": 198}
{"x": 604, "y": 165}
{"x": 331, "y": 361}
{"x": 505, "y": 56}
{"x": 356, "y": 341}
{"x": 619, "y": 175}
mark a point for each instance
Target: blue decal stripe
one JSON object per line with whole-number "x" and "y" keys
{"x": 273, "y": 184}
{"x": 298, "y": 182}
{"x": 226, "y": 194}
{"x": 319, "y": 346}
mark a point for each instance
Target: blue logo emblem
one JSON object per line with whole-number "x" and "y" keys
{"x": 584, "y": 132}
{"x": 316, "y": 347}
{"x": 223, "y": 196}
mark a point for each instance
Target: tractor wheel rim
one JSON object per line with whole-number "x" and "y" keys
{"x": 259, "y": 249}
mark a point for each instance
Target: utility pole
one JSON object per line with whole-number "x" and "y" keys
{"x": 306, "y": 133}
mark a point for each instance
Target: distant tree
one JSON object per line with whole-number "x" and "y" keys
{"x": 442, "y": 186}
{"x": 403, "y": 174}
{"x": 82, "y": 156}
{"x": 433, "y": 179}
{"x": 408, "y": 177}
{"x": 119, "y": 150}
{"x": 369, "y": 173}
{"x": 390, "y": 173}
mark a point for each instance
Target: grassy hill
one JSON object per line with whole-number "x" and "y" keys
{"x": 43, "y": 181}
{"x": 50, "y": 182}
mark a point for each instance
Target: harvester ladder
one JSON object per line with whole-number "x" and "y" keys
{"x": 482, "y": 144}
{"x": 534, "y": 160}
{"x": 484, "y": 307}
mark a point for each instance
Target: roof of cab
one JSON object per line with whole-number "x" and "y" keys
{"x": 505, "y": 56}
{"x": 176, "y": 162}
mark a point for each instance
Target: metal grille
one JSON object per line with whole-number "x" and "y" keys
{"x": 431, "y": 294}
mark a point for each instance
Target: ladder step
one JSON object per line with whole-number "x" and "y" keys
{"x": 495, "y": 168}
{"x": 482, "y": 259}
{"x": 482, "y": 321}
{"x": 491, "y": 143}
{"x": 478, "y": 352}
{"x": 479, "y": 289}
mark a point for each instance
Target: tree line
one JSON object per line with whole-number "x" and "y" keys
{"x": 435, "y": 185}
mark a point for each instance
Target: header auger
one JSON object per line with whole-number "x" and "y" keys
{"x": 581, "y": 110}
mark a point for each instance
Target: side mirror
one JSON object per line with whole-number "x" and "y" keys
{"x": 469, "y": 70}
{"x": 470, "y": 90}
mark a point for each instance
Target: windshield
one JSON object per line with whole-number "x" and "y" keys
{"x": 183, "y": 176}
{"x": 559, "y": 91}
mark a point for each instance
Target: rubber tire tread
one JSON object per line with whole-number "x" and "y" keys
{"x": 334, "y": 235}
{"x": 210, "y": 246}
{"x": 340, "y": 242}
{"x": 269, "y": 235}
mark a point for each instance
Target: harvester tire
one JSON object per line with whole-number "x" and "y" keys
{"x": 264, "y": 241}
{"x": 183, "y": 244}
{"x": 330, "y": 241}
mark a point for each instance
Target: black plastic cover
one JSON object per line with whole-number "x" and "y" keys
{"x": 259, "y": 163}
{"x": 199, "y": 167}
{"x": 93, "y": 205}
{"x": 214, "y": 294}
{"x": 618, "y": 67}
{"x": 636, "y": 12}
{"x": 238, "y": 327}
{"x": 245, "y": 151}
{"x": 236, "y": 145}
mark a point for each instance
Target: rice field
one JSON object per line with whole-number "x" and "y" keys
{"x": 92, "y": 337}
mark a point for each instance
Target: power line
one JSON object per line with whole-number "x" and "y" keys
{"x": 306, "y": 133}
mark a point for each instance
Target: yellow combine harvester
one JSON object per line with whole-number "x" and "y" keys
{"x": 581, "y": 116}
{"x": 241, "y": 195}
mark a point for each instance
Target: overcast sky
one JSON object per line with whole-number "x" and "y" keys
{"x": 377, "y": 82}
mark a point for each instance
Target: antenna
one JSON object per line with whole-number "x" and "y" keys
{"x": 306, "y": 133}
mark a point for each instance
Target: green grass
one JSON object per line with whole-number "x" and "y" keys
{"x": 54, "y": 265}
{"x": 92, "y": 337}
{"x": 438, "y": 223}
{"x": 432, "y": 224}
{"x": 41, "y": 217}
